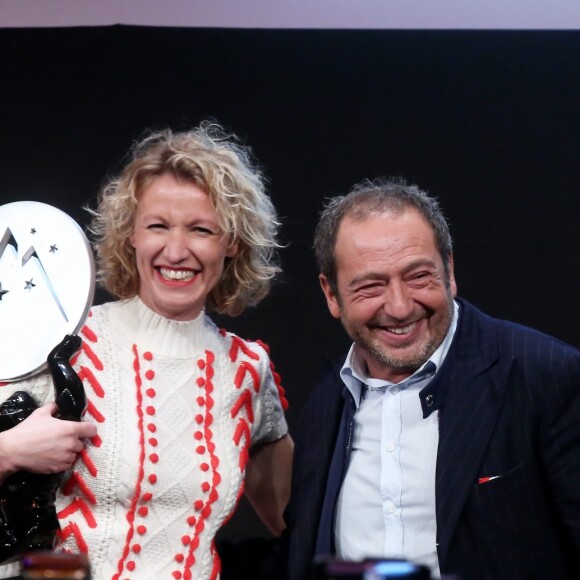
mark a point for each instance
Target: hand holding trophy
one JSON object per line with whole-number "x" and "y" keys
{"x": 46, "y": 290}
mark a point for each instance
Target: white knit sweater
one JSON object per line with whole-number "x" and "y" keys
{"x": 178, "y": 406}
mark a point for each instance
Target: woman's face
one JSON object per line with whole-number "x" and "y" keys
{"x": 180, "y": 248}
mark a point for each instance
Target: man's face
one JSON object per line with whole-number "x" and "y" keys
{"x": 394, "y": 299}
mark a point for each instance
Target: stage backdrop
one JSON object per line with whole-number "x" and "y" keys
{"x": 487, "y": 121}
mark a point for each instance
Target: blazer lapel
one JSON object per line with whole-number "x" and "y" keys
{"x": 473, "y": 385}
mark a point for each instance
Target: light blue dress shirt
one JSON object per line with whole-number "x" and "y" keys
{"x": 386, "y": 506}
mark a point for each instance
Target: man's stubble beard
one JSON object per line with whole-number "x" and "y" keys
{"x": 410, "y": 363}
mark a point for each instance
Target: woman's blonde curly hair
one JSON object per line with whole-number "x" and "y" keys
{"x": 215, "y": 162}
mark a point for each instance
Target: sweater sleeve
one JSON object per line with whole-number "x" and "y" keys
{"x": 270, "y": 423}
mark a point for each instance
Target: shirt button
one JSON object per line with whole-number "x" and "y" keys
{"x": 390, "y": 447}
{"x": 390, "y": 508}
{"x": 395, "y": 390}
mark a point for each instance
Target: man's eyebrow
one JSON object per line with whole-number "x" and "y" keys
{"x": 367, "y": 276}
{"x": 420, "y": 263}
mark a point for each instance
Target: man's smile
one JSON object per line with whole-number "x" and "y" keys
{"x": 401, "y": 329}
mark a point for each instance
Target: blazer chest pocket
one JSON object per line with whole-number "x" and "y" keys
{"x": 514, "y": 484}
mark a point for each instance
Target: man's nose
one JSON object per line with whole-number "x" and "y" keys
{"x": 399, "y": 303}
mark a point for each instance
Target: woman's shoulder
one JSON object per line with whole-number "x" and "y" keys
{"x": 244, "y": 348}
{"x": 98, "y": 311}
{"x": 110, "y": 314}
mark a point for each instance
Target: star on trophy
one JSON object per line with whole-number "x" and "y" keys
{"x": 47, "y": 276}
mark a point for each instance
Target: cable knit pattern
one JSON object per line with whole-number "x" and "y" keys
{"x": 178, "y": 405}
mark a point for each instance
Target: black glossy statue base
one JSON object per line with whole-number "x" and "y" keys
{"x": 28, "y": 519}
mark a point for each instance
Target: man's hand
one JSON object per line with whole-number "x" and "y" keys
{"x": 42, "y": 443}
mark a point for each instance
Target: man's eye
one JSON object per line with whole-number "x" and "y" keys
{"x": 420, "y": 277}
{"x": 372, "y": 287}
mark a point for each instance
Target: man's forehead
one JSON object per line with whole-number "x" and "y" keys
{"x": 385, "y": 238}
{"x": 384, "y": 221}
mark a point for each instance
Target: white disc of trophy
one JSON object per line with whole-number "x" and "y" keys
{"x": 47, "y": 284}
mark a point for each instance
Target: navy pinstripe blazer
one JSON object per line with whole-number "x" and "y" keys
{"x": 509, "y": 406}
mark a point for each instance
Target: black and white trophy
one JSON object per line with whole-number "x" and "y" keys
{"x": 47, "y": 281}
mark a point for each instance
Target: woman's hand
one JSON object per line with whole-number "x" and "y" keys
{"x": 42, "y": 443}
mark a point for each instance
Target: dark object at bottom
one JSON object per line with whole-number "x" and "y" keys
{"x": 250, "y": 559}
{"x": 369, "y": 569}
{"x": 56, "y": 566}
{"x": 28, "y": 520}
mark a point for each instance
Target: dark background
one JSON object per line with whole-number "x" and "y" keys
{"x": 489, "y": 122}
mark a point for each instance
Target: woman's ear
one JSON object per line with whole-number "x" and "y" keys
{"x": 232, "y": 250}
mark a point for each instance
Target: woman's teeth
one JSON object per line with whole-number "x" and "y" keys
{"x": 182, "y": 275}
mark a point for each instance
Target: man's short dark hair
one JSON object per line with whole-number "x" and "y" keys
{"x": 376, "y": 197}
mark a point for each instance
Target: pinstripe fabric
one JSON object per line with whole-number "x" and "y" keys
{"x": 510, "y": 408}
{"x": 314, "y": 442}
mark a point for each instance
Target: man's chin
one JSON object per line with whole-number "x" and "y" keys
{"x": 400, "y": 361}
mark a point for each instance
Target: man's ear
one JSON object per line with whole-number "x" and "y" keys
{"x": 452, "y": 283}
{"x": 331, "y": 298}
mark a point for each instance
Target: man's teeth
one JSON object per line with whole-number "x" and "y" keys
{"x": 402, "y": 330}
{"x": 183, "y": 275}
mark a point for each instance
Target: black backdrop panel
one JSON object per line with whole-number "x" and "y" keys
{"x": 487, "y": 121}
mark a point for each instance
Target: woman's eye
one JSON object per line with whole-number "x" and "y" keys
{"x": 202, "y": 230}
{"x": 155, "y": 226}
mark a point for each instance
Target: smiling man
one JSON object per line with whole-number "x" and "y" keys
{"x": 445, "y": 437}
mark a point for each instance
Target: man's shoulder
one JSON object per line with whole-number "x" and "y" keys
{"x": 511, "y": 338}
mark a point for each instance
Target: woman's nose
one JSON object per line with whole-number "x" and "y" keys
{"x": 176, "y": 246}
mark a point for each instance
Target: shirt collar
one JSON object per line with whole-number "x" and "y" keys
{"x": 354, "y": 372}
